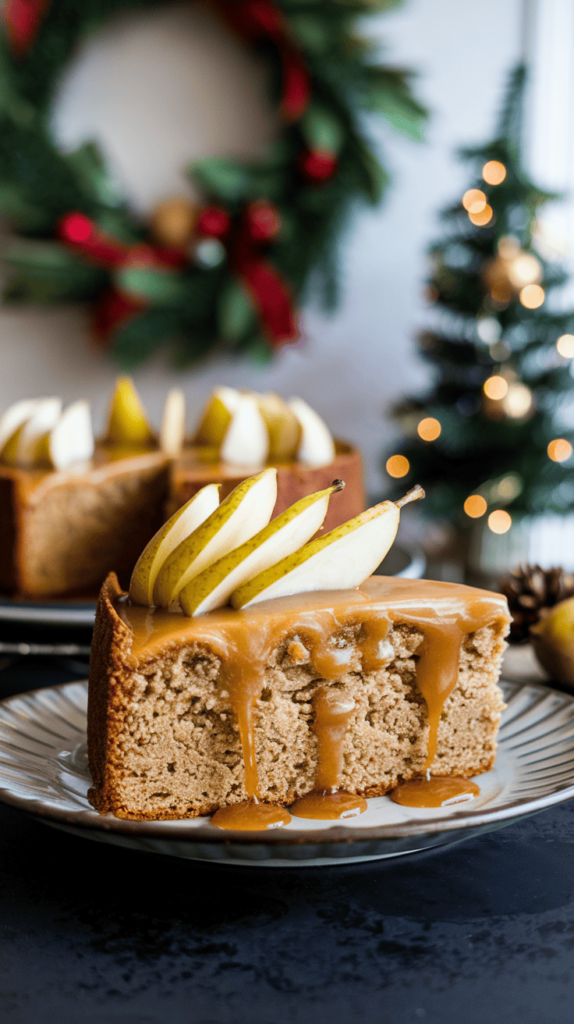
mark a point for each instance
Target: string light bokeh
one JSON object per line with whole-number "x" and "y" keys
{"x": 429, "y": 429}
{"x": 397, "y": 466}
{"x": 494, "y": 172}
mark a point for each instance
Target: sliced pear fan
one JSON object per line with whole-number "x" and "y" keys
{"x": 243, "y": 513}
{"x": 13, "y": 418}
{"x": 216, "y": 416}
{"x": 128, "y": 423}
{"x": 316, "y": 445}
{"x": 246, "y": 442}
{"x": 72, "y": 438}
{"x": 30, "y": 444}
{"x": 181, "y": 525}
{"x": 172, "y": 431}
{"x": 283, "y": 427}
{"x": 283, "y": 535}
{"x": 339, "y": 560}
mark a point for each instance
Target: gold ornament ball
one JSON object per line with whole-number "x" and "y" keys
{"x": 173, "y": 221}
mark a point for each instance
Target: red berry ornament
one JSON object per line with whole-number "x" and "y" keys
{"x": 263, "y": 221}
{"x": 318, "y": 165}
{"x": 213, "y": 222}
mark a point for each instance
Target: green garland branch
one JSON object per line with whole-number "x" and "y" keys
{"x": 232, "y": 270}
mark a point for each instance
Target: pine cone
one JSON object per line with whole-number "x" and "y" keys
{"x": 529, "y": 590}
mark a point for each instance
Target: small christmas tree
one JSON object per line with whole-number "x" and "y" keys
{"x": 491, "y": 435}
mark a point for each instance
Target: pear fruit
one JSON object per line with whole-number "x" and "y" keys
{"x": 172, "y": 430}
{"x": 127, "y": 422}
{"x": 553, "y": 641}
{"x": 181, "y": 525}
{"x": 241, "y": 515}
{"x": 10, "y": 421}
{"x": 282, "y": 536}
{"x": 71, "y": 440}
{"x": 339, "y": 560}
{"x": 246, "y": 441}
{"x": 216, "y": 416}
{"x": 316, "y": 445}
{"x": 283, "y": 427}
{"x": 30, "y": 445}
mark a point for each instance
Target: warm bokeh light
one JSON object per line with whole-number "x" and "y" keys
{"x": 499, "y": 521}
{"x": 495, "y": 387}
{"x": 483, "y": 218}
{"x": 474, "y": 200}
{"x": 559, "y": 450}
{"x": 565, "y": 346}
{"x": 494, "y": 172}
{"x": 525, "y": 269}
{"x": 398, "y": 466}
{"x": 475, "y": 506}
{"x": 532, "y": 296}
{"x": 429, "y": 429}
{"x": 517, "y": 401}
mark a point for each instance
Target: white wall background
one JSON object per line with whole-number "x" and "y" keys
{"x": 172, "y": 85}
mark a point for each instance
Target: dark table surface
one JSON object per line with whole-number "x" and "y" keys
{"x": 480, "y": 934}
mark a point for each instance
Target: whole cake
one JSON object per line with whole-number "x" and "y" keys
{"x": 72, "y": 509}
{"x": 290, "y": 676}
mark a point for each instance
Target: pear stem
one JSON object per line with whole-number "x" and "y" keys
{"x": 414, "y": 494}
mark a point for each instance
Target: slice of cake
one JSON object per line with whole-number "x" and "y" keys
{"x": 71, "y": 511}
{"x": 171, "y": 696}
{"x": 241, "y": 432}
{"x": 294, "y": 690}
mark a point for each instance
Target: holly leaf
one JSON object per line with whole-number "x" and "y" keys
{"x": 155, "y": 285}
{"x": 322, "y": 129}
{"x": 222, "y": 179}
{"x": 47, "y": 272}
{"x": 388, "y": 92}
{"x": 89, "y": 166}
{"x": 236, "y": 316}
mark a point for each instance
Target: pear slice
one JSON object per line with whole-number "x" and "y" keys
{"x": 172, "y": 430}
{"x": 283, "y": 427}
{"x": 316, "y": 446}
{"x": 283, "y": 535}
{"x": 339, "y": 560}
{"x": 246, "y": 442}
{"x": 11, "y": 419}
{"x": 243, "y": 513}
{"x": 181, "y": 525}
{"x": 216, "y": 416}
{"x": 30, "y": 444}
{"x": 72, "y": 438}
{"x": 127, "y": 422}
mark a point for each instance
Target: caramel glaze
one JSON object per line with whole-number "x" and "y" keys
{"x": 436, "y": 791}
{"x": 333, "y": 709}
{"x": 244, "y": 641}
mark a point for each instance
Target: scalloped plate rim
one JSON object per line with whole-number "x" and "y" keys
{"x": 89, "y": 821}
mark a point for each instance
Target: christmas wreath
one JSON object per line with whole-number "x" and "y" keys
{"x": 231, "y": 270}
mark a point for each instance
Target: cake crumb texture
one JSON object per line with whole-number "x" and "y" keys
{"x": 164, "y": 740}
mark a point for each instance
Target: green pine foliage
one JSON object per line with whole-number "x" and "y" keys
{"x": 197, "y": 308}
{"x": 484, "y": 448}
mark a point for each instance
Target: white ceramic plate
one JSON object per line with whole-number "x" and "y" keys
{"x": 47, "y": 613}
{"x": 43, "y": 770}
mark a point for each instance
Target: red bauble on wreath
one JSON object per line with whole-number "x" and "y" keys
{"x": 262, "y": 226}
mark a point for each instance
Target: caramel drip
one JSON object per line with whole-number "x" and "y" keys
{"x": 245, "y": 640}
{"x": 437, "y": 791}
{"x": 333, "y": 710}
{"x": 329, "y": 806}
{"x": 251, "y": 817}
